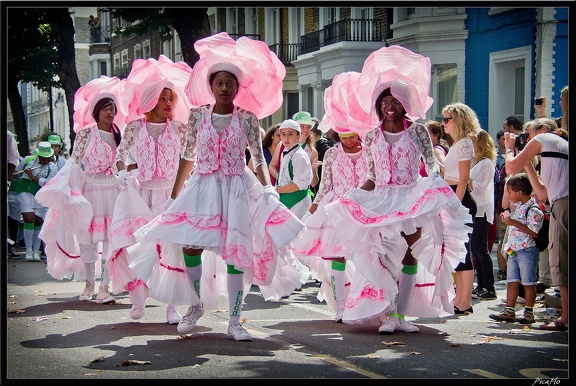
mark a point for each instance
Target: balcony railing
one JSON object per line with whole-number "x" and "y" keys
{"x": 287, "y": 53}
{"x": 351, "y": 30}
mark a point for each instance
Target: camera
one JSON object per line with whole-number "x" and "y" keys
{"x": 521, "y": 141}
{"x": 538, "y": 101}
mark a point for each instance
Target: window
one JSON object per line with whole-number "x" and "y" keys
{"x": 125, "y": 59}
{"x": 509, "y": 87}
{"x": 103, "y": 68}
{"x": 295, "y": 24}
{"x": 447, "y": 77}
{"x": 167, "y": 49}
{"x": 274, "y": 37}
{"x": 232, "y": 21}
{"x": 146, "y": 49}
{"x": 177, "y": 48}
{"x": 138, "y": 51}
{"x": 519, "y": 91}
{"x": 292, "y": 106}
{"x": 253, "y": 21}
{"x": 117, "y": 63}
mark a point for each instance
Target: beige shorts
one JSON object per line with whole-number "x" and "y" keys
{"x": 558, "y": 247}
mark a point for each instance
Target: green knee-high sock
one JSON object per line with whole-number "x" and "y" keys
{"x": 235, "y": 283}
{"x": 405, "y": 288}
{"x": 194, "y": 270}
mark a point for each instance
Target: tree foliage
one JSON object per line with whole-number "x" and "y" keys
{"x": 32, "y": 58}
{"x": 191, "y": 24}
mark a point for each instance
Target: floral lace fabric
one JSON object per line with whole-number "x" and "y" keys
{"x": 158, "y": 148}
{"x": 394, "y": 158}
{"x": 340, "y": 173}
{"x": 250, "y": 132}
{"x": 462, "y": 150}
{"x": 95, "y": 149}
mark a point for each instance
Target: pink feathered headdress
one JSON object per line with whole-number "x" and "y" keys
{"x": 87, "y": 96}
{"x": 259, "y": 71}
{"x": 341, "y": 104}
{"x": 147, "y": 79}
{"x": 404, "y": 72}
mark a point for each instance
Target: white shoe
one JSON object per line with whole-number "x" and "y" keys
{"x": 189, "y": 320}
{"x": 389, "y": 326}
{"x": 136, "y": 312}
{"x": 36, "y": 256}
{"x": 29, "y": 256}
{"x": 172, "y": 315}
{"x": 406, "y": 326}
{"x": 237, "y": 332}
{"x": 88, "y": 292}
{"x": 104, "y": 296}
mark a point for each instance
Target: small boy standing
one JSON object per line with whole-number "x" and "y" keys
{"x": 523, "y": 253}
{"x": 295, "y": 174}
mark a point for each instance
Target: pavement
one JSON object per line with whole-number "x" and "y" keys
{"x": 50, "y": 334}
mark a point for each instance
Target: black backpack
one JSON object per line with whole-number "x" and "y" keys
{"x": 541, "y": 239}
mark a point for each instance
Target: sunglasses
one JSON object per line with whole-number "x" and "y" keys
{"x": 445, "y": 120}
{"x": 395, "y": 103}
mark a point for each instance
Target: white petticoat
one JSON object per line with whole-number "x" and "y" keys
{"x": 226, "y": 216}
{"x": 78, "y": 213}
{"x": 369, "y": 223}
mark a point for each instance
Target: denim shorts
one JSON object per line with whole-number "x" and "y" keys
{"x": 523, "y": 266}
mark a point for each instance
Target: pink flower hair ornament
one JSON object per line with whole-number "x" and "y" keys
{"x": 147, "y": 79}
{"x": 86, "y": 97}
{"x": 259, "y": 72}
{"x": 404, "y": 72}
{"x": 341, "y": 105}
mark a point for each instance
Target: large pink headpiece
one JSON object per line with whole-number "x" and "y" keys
{"x": 341, "y": 105}
{"x": 259, "y": 72}
{"x": 147, "y": 79}
{"x": 404, "y": 72}
{"x": 86, "y": 97}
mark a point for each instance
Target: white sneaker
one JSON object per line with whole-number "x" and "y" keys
{"x": 104, "y": 296}
{"x": 36, "y": 256}
{"x": 29, "y": 256}
{"x": 88, "y": 292}
{"x": 136, "y": 312}
{"x": 389, "y": 326}
{"x": 237, "y": 332}
{"x": 172, "y": 314}
{"x": 406, "y": 326}
{"x": 189, "y": 320}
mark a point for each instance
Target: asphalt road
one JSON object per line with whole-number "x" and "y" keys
{"x": 52, "y": 335}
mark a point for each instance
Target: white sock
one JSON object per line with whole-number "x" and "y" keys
{"x": 36, "y": 241}
{"x": 235, "y": 283}
{"x": 405, "y": 289}
{"x": 89, "y": 271}
{"x": 104, "y": 276}
{"x": 195, "y": 274}
{"x": 29, "y": 239}
{"x": 337, "y": 278}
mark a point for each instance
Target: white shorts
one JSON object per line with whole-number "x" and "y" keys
{"x": 14, "y": 207}
{"x": 28, "y": 204}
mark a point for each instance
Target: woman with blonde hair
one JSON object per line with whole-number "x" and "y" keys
{"x": 481, "y": 184}
{"x": 461, "y": 122}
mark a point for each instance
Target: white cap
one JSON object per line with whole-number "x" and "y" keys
{"x": 290, "y": 124}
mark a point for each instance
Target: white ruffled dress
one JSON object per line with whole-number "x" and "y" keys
{"x": 369, "y": 224}
{"x": 221, "y": 209}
